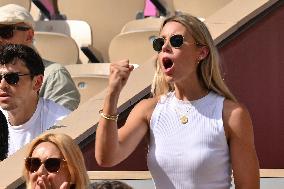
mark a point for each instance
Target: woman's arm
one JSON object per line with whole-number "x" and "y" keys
{"x": 244, "y": 159}
{"x": 113, "y": 145}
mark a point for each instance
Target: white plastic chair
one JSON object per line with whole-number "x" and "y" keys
{"x": 89, "y": 86}
{"x": 79, "y": 30}
{"x": 150, "y": 23}
{"x": 106, "y": 17}
{"x": 136, "y": 46}
{"x": 90, "y": 79}
{"x": 199, "y": 8}
{"x": 56, "y": 47}
{"x": 98, "y": 70}
{"x": 23, "y": 3}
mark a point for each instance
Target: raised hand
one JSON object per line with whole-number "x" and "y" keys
{"x": 119, "y": 73}
{"x": 45, "y": 182}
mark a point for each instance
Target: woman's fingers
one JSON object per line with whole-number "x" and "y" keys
{"x": 65, "y": 185}
{"x": 119, "y": 73}
{"x": 43, "y": 182}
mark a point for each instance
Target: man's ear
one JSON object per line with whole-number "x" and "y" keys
{"x": 29, "y": 37}
{"x": 37, "y": 82}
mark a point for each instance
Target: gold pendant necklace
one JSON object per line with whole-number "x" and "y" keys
{"x": 183, "y": 118}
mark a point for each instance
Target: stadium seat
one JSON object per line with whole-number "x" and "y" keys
{"x": 136, "y": 46}
{"x": 168, "y": 5}
{"x": 199, "y": 8}
{"x": 143, "y": 24}
{"x": 106, "y": 18}
{"x": 23, "y": 3}
{"x": 89, "y": 86}
{"x": 100, "y": 70}
{"x": 90, "y": 79}
{"x": 79, "y": 30}
{"x": 35, "y": 12}
{"x": 56, "y": 47}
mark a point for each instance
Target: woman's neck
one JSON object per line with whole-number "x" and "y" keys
{"x": 190, "y": 91}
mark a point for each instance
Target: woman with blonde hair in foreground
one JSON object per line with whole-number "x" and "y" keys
{"x": 199, "y": 134}
{"x": 55, "y": 161}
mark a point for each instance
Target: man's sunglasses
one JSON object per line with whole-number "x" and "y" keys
{"x": 176, "y": 41}
{"x": 7, "y": 32}
{"x": 11, "y": 78}
{"x": 52, "y": 165}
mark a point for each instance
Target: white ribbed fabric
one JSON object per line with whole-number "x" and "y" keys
{"x": 194, "y": 155}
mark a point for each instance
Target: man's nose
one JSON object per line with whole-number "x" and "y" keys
{"x": 3, "y": 83}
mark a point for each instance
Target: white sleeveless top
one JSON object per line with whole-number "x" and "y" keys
{"x": 194, "y": 155}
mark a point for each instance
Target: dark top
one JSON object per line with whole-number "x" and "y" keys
{"x": 3, "y": 137}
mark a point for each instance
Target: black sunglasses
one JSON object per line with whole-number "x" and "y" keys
{"x": 176, "y": 41}
{"x": 7, "y": 32}
{"x": 52, "y": 165}
{"x": 11, "y": 78}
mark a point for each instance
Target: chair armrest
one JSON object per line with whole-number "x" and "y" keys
{"x": 91, "y": 53}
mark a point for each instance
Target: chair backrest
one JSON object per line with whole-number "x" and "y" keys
{"x": 90, "y": 79}
{"x": 168, "y": 5}
{"x": 150, "y": 23}
{"x": 79, "y": 30}
{"x": 23, "y": 3}
{"x": 106, "y": 17}
{"x": 35, "y": 12}
{"x": 136, "y": 46}
{"x": 98, "y": 70}
{"x": 89, "y": 86}
{"x": 199, "y": 8}
{"x": 56, "y": 47}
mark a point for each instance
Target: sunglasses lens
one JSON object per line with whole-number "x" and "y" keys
{"x": 11, "y": 78}
{"x": 32, "y": 164}
{"x": 6, "y": 32}
{"x": 176, "y": 41}
{"x": 52, "y": 164}
{"x": 158, "y": 44}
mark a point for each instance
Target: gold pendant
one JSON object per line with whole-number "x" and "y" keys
{"x": 183, "y": 119}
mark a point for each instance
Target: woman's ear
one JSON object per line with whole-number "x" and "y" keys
{"x": 204, "y": 51}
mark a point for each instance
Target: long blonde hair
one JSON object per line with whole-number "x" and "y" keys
{"x": 208, "y": 69}
{"x": 71, "y": 153}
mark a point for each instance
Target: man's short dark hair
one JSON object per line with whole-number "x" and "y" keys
{"x": 31, "y": 59}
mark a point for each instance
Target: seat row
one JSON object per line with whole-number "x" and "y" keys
{"x": 104, "y": 29}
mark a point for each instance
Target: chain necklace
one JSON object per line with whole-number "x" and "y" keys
{"x": 183, "y": 117}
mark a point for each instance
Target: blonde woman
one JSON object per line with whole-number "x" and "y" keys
{"x": 55, "y": 161}
{"x": 199, "y": 133}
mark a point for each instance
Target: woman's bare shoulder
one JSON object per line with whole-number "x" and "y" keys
{"x": 236, "y": 117}
{"x": 149, "y": 102}
{"x": 234, "y": 109}
{"x": 146, "y": 106}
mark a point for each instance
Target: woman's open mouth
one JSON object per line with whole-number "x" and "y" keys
{"x": 167, "y": 63}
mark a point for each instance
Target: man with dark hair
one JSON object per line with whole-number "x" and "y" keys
{"x": 17, "y": 27}
{"x": 28, "y": 115}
